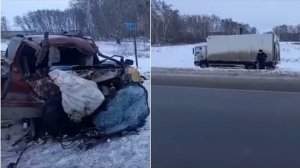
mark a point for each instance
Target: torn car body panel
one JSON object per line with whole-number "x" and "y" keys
{"x": 20, "y": 76}
{"x": 16, "y": 94}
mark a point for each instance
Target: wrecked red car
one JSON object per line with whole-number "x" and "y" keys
{"x": 29, "y": 91}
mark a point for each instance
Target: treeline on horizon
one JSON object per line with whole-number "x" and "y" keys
{"x": 105, "y": 19}
{"x": 100, "y": 19}
{"x": 168, "y": 26}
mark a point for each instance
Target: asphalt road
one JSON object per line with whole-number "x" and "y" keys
{"x": 228, "y": 80}
{"x": 208, "y": 127}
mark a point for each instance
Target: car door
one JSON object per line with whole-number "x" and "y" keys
{"x": 17, "y": 98}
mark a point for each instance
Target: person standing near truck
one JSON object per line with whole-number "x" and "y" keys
{"x": 261, "y": 58}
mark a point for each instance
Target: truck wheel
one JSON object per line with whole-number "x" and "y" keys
{"x": 203, "y": 65}
{"x": 252, "y": 66}
{"x": 271, "y": 66}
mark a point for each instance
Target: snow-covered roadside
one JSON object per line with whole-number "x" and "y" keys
{"x": 181, "y": 56}
{"x": 290, "y": 56}
{"x": 4, "y": 44}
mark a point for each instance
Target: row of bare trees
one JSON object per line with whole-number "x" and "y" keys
{"x": 168, "y": 26}
{"x": 97, "y": 18}
{"x": 106, "y": 18}
{"x": 288, "y": 32}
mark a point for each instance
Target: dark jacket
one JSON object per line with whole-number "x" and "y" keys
{"x": 261, "y": 57}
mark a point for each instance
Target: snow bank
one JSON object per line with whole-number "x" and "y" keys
{"x": 4, "y": 44}
{"x": 290, "y": 56}
{"x": 181, "y": 56}
{"x": 173, "y": 56}
{"x": 128, "y": 151}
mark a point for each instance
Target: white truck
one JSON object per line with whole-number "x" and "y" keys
{"x": 231, "y": 50}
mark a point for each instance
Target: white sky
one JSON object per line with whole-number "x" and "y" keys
{"x": 263, "y": 14}
{"x": 12, "y": 8}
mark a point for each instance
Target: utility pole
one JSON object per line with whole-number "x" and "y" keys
{"x": 135, "y": 50}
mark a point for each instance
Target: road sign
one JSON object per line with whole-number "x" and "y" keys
{"x": 130, "y": 26}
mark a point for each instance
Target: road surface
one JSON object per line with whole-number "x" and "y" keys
{"x": 208, "y": 127}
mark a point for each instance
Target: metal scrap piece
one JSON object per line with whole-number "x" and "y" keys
{"x": 44, "y": 87}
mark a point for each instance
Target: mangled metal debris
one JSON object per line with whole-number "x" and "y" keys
{"x": 60, "y": 79}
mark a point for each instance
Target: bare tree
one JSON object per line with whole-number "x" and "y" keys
{"x": 4, "y": 24}
{"x": 168, "y": 26}
{"x": 288, "y": 32}
{"x": 97, "y": 18}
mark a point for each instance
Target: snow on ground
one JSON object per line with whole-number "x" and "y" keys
{"x": 4, "y": 44}
{"x": 173, "y": 56}
{"x": 126, "y": 49}
{"x": 181, "y": 56}
{"x": 290, "y": 56}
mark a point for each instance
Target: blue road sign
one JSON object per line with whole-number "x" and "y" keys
{"x": 130, "y": 26}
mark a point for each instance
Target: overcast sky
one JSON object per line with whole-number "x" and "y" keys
{"x": 12, "y": 8}
{"x": 263, "y": 14}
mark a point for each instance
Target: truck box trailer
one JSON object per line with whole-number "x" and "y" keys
{"x": 237, "y": 50}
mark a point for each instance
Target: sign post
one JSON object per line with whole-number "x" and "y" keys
{"x": 132, "y": 27}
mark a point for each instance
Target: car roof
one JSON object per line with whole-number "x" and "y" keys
{"x": 84, "y": 44}
{"x": 39, "y": 38}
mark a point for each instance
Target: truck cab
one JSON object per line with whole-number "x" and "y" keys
{"x": 200, "y": 53}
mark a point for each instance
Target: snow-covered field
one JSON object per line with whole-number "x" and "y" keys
{"x": 127, "y": 151}
{"x": 290, "y": 56}
{"x": 181, "y": 56}
{"x": 4, "y": 44}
